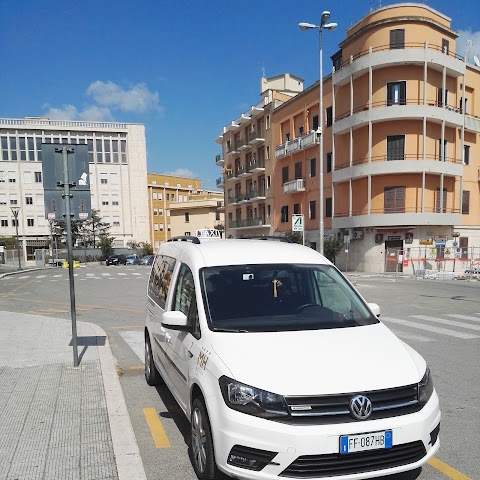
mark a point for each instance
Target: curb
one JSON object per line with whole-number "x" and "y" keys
{"x": 127, "y": 456}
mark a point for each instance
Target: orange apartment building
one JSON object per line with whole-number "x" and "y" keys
{"x": 401, "y": 147}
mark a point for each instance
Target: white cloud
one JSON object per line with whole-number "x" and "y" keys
{"x": 473, "y": 49}
{"x": 70, "y": 112}
{"x": 139, "y": 99}
{"x": 181, "y": 172}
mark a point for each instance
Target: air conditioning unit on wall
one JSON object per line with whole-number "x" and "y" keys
{"x": 357, "y": 234}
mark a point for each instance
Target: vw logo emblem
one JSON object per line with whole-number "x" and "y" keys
{"x": 361, "y": 407}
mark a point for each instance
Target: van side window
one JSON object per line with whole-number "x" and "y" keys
{"x": 184, "y": 299}
{"x": 160, "y": 278}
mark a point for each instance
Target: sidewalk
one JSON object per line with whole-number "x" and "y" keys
{"x": 58, "y": 422}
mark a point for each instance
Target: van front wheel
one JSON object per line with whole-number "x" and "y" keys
{"x": 203, "y": 457}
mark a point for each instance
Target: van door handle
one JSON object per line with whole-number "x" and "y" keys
{"x": 189, "y": 353}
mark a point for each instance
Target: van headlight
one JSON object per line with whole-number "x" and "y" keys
{"x": 251, "y": 400}
{"x": 425, "y": 387}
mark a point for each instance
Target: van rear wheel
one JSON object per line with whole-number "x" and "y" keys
{"x": 203, "y": 457}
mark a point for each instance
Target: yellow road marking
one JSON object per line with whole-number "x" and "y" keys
{"x": 156, "y": 428}
{"x": 447, "y": 470}
{"x": 11, "y": 292}
{"x": 136, "y": 367}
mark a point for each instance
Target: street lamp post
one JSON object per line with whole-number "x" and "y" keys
{"x": 323, "y": 26}
{"x": 16, "y": 211}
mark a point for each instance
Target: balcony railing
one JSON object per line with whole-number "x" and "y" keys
{"x": 244, "y": 170}
{"x": 248, "y": 222}
{"x": 252, "y": 194}
{"x": 220, "y": 182}
{"x": 294, "y": 186}
{"x": 255, "y": 137}
{"x": 299, "y": 143}
{"x": 395, "y": 210}
{"x": 219, "y": 160}
{"x": 257, "y": 164}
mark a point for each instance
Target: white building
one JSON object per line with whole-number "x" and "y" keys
{"x": 118, "y": 176}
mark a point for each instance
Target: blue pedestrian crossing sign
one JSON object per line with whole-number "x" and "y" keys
{"x": 297, "y": 223}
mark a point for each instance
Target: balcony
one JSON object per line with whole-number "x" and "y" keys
{"x": 232, "y": 175}
{"x": 249, "y": 223}
{"x": 257, "y": 166}
{"x": 231, "y": 150}
{"x": 230, "y": 200}
{"x": 297, "y": 144}
{"x": 254, "y": 138}
{"x": 294, "y": 186}
{"x": 383, "y": 218}
{"x": 219, "y": 161}
{"x": 257, "y": 194}
{"x": 412, "y": 163}
{"x": 244, "y": 171}
{"x": 220, "y": 182}
{"x": 242, "y": 145}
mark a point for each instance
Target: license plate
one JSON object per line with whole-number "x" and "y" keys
{"x": 365, "y": 441}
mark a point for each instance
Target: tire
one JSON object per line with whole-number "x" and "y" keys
{"x": 203, "y": 456}
{"x": 152, "y": 376}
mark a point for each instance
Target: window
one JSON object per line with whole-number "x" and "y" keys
{"x": 396, "y": 93}
{"x": 296, "y": 208}
{"x": 3, "y": 176}
{"x": 114, "y": 178}
{"x": 160, "y": 278}
{"x": 315, "y": 122}
{"x": 441, "y": 102}
{"x": 115, "y": 151}
{"x": 155, "y": 211}
{"x": 463, "y": 244}
{"x": 29, "y": 200}
{"x": 184, "y": 298}
{"x": 4, "y": 144}
{"x": 104, "y": 199}
{"x": 397, "y": 38}
{"x": 329, "y": 162}
{"x": 103, "y": 178}
{"x": 287, "y": 137}
{"x": 40, "y": 221}
{"x": 168, "y": 212}
{"x": 329, "y": 113}
{"x": 442, "y": 153}
{"x": 13, "y": 199}
{"x": 187, "y": 217}
{"x": 23, "y": 152}
{"x": 39, "y": 199}
{"x": 395, "y": 147}
{"x": 464, "y": 103}
{"x": 30, "y": 222}
{"x": 3, "y": 198}
{"x": 160, "y": 225}
{"x": 267, "y": 122}
{"x": 444, "y": 209}
{"x": 27, "y": 177}
{"x": 445, "y": 45}
{"x": 328, "y": 207}
{"x": 394, "y": 199}
{"x": 269, "y": 181}
{"x": 284, "y": 214}
{"x": 38, "y": 177}
{"x": 337, "y": 60}
{"x": 12, "y": 176}
{"x": 160, "y": 196}
{"x": 466, "y": 154}
{"x": 269, "y": 211}
{"x": 298, "y": 170}
{"x": 313, "y": 167}
{"x": 4, "y": 222}
{"x": 284, "y": 174}
{"x": 312, "y": 209}
{"x": 13, "y": 148}
{"x": 116, "y": 221}
{"x": 154, "y": 195}
{"x": 15, "y": 222}
{"x": 99, "y": 145}
{"x": 466, "y": 202}
{"x": 123, "y": 148}
{"x": 156, "y": 227}
{"x": 115, "y": 199}
{"x": 169, "y": 228}
{"x": 300, "y": 131}
{"x": 187, "y": 234}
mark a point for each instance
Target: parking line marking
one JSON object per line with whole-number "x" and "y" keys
{"x": 57, "y": 276}
{"x": 447, "y": 322}
{"x": 133, "y": 273}
{"x": 106, "y": 274}
{"x": 447, "y": 470}
{"x": 430, "y": 328}
{"x": 23, "y": 277}
{"x": 156, "y": 428}
{"x": 137, "y": 367}
{"x": 121, "y": 273}
{"x": 40, "y": 276}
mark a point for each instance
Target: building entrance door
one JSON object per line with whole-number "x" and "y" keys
{"x": 393, "y": 248}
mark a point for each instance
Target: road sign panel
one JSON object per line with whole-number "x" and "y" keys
{"x": 297, "y": 223}
{"x": 80, "y": 204}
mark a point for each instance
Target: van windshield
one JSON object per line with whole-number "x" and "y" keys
{"x": 280, "y": 297}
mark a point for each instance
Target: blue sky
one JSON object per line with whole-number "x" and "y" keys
{"x": 183, "y": 68}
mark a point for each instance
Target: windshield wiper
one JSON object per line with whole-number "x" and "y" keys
{"x": 230, "y": 330}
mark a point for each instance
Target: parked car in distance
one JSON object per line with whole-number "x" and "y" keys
{"x": 148, "y": 259}
{"x": 133, "y": 260}
{"x": 116, "y": 260}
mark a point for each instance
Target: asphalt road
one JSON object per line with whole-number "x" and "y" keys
{"x": 439, "y": 319}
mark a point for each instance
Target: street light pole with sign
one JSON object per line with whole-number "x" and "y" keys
{"x": 16, "y": 211}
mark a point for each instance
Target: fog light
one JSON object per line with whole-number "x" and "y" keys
{"x": 249, "y": 458}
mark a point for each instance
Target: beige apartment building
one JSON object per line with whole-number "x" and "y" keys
{"x": 401, "y": 147}
{"x": 178, "y": 204}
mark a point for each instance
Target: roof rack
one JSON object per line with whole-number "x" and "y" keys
{"x": 267, "y": 237}
{"x": 185, "y": 238}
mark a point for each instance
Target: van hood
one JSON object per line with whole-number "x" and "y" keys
{"x": 320, "y": 362}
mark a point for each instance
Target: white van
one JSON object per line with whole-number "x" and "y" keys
{"x": 281, "y": 366}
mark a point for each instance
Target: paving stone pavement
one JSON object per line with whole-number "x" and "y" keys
{"x": 58, "y": 422}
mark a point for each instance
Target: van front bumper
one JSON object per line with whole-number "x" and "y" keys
{"x": 250, "y": 447}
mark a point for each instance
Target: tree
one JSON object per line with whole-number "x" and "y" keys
{"x": 59, "y": 230}
{"x": 94, "y": 228}
{"x": 105, "y": 243}
{"x": 332, "y": 247}
{"x": 133, "y": 244}
{"x": 294, "y": 237}
{"x": 8, "y": 241}
{"x": 145, "y": 249}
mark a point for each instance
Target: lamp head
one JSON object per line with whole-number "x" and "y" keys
{"x": 306, "y": 26}
{"x": 330, "y": 26}
{"x": 15, "y": 210}
{"x": 325, "y": 17}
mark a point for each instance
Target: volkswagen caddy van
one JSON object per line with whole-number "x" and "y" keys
{"x": 282, "y": 367}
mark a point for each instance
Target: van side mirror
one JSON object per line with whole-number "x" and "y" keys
{"x": 175, "y": 320}
{"x": 375, "y": 309}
